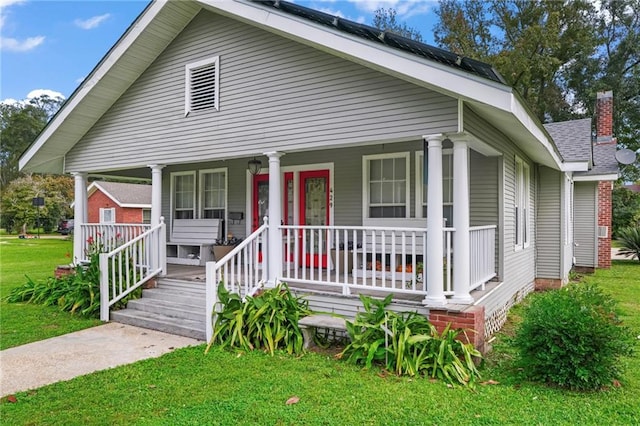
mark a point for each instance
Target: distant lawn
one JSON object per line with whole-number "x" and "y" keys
{"x": 188, "y": 387}
{"x": 22, "y": 323}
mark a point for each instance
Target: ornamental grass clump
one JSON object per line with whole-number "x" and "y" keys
{"x": 407, "y": 344}
{"x": 630, "y": 239}
{"x": 267, "y": 321}
{"x": 573, "y": 338}
{"x": 77, "y": 292}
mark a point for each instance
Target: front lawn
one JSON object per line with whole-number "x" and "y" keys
{"x": 188, "y": 387}
{"x": 22, "y": 323}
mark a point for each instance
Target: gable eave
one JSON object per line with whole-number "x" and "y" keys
{"x": 139, "y": 46}
{"x": 162, "y": 21}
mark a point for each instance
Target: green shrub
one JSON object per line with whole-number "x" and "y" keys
{"x": 408, "y": 344}
{"x": 630, "y": 239}
{"x": 268, "y": 320}
{"x": 572, "y": 338}
{"x": 78, "y": 292}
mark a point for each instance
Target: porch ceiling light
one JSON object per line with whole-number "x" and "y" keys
{"x": 255, "y": 166}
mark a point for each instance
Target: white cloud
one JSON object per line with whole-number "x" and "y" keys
{"x": 9, "y": 101}
{"x": 11, "y": 44}
{"x": 7, "y": 3}
{"x": 32, "y": 95}
{"x": 93, "y": 22}
{"x": 39, "y": 92}
{"x": 15, "y": 45}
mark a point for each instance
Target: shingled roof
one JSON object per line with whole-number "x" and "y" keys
{"x": 573, "y": 139}
{"x": 390, "y": 39}
{"x": 124, "y": 194}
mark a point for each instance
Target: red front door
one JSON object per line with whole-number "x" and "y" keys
{"x": 314, "y": 210}
{"x": 261, "y": 201}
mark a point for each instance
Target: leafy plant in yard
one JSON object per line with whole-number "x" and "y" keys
{"x": 572, "y": 338}
{"x": 268, "y": 320}
{"x": 77, "y": 292}
{"x": 408, "y": 344}
{"x": 630, "y": 239}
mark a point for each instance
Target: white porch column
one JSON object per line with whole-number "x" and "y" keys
{"x": 79, "y": 214}
{"x": 435, "y": 218}
{"x": 158, "y": 255}
{"x": 461, "y": 252}
{"x": 275, "y": 219}
{"x": 156, "y": 193}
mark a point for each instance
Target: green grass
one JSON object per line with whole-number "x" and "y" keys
{"x": 188, "y": 387}
{"x": 22, "y": 322}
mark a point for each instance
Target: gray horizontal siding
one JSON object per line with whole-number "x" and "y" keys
{"x": 517, "y": 269}
{"x": 585, "y": 223}
{"x": 275, "y": 94}
{"x": 549, "y": 236}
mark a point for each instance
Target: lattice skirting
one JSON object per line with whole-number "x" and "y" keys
{"x": 495, "y": 320}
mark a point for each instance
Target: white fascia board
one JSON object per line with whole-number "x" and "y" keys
{"x": 87, "y": 85}
{"x": 105, "y": 192}
{"x": 435, "y": 76}
{"x": 595, "y": 178}
{"x": 575, "y": 166}
{"x": 135, "y": 206}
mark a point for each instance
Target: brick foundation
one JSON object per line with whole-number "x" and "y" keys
{"x": 471, "y": 320}
{"x": 543, "y": 284}
{"x": 62, "y": 270}
{"x": 605, "y": 189}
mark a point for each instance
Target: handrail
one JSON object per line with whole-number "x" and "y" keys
{"x": 129, "y": 266}
{"x": 241, "y": 270}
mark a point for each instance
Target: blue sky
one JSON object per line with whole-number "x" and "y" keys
{"x": 52, "y": 45}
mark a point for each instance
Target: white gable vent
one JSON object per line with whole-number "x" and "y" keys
{"x": 201, "y": 85}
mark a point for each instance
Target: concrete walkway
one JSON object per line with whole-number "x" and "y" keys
{"x": 75, "y": 354}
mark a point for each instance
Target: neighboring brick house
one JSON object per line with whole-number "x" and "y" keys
{"x": 592, "y": 190}
{"x": 115, "y": 202}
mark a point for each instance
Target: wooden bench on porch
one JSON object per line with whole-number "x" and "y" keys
{"x": 191, "y": 241}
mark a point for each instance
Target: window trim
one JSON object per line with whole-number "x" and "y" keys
{"x": 366, "y": 159}
{"x": 173, "y": 175}
{"x": 112, "y": 210}
{"x": 420, "y": 203}
{"x": 522, "y": 197}
{"x": 188, "y": 68}
{"x": 200, "y": 190}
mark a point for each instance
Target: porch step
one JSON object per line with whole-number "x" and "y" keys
{"x": 179, "y": 326}
{"x": 176, "y": 307}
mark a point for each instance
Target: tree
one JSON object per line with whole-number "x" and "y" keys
{"x": 385, "y": 20}
{"x": 626, "y": 209}
{"x": 531, "y": 43}
{"x": 17, "y": 208}
{"x": 614, "y": 65}
{"x": 556, "y": 54}
{"x": 20, "y": 125}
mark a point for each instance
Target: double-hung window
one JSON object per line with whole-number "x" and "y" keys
{"x": 183, "y": 190}
{"x": 422, "y": 188}
{"x": 386, "y": 185}
{"x": 522, "y": 204}
{"x": 213, "y": 193}
{"x": 108, "y": 215}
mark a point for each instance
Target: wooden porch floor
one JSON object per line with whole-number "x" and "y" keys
{"x": 197, "y": 274}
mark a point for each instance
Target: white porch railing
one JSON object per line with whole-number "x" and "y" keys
{"x": 482, "y": 244}
{"x": 130, "y": 265}
{"x": 360, "y": 257}
{"x": 107, "y": 235}
{"x": 240, "y": 271}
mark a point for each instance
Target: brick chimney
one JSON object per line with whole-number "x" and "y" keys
{"x": 604, "y": 118}
{"x": 604, "y": 135}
